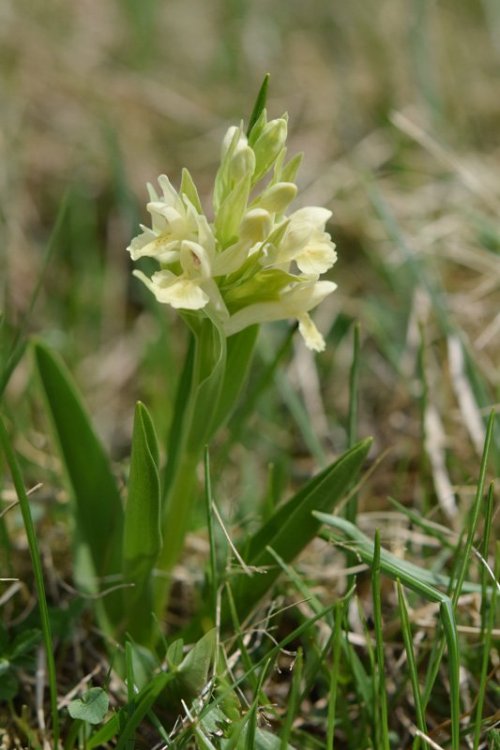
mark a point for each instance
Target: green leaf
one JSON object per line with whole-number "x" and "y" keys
{"x": 192, "y": 674}
{"x": 9, "y": 684}
{"x": 267, "y": 741}
{"x": 190, "y": 677}
{"x": 208, "y": 377}
{"x": 175, "y": 652}
{"x": 4, "y": 666}
{"x": 231, "y": 212}
{"x": 194, "y": 425}
{"x": 142, "y": 531}
{"x": 240, "y": 349}
{"x": 141, "y": 664}
{"x": 23, "y": 644}
{"x": 418, "y": 579}
{"x": 259, "y": 105}
{"x": 125, "y": 722}
{"x": 98, "y": 508}
{"x": 262, "y": 740}
{"x": 91, "y": 707}
{"x": 293, "y": 526}
{"x": 177, "y": 426}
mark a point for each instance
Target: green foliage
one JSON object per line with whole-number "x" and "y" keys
{"x": 181, "y": 682}
{"x": 15, "y": 653}
{"x": 416, "y": 579}
{"x": 192, "y": 427}
{"x": 381, "y": 725}
{"x": 259, "y": 105}
{"x": 36, "y": 563}
{"x": 494, "y": 739}
{"x": 292, "y": 526}
{"x": 213, "y": 376}
{"x": 98, "y": 507}
{"x": 142, "y": 526}
{"x": 92, "y": 706}
{"x": 124, "y": 723}
{"x": 403, "y": 274}
{"x": 191, "y": 674}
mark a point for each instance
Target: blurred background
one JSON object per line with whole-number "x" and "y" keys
{"x": 397, "y": 108}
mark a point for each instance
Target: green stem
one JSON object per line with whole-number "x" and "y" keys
{"x": 196, "y": 405}
{"x": 179, "y": 508}
{"x": 211, "y": 381}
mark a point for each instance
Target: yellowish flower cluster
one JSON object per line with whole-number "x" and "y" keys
{"x": 252, "y": 263}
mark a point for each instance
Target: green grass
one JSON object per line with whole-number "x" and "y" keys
{"x": 332, "y": 592}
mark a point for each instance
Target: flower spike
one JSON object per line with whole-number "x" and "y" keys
{"x": 252, "y": 263}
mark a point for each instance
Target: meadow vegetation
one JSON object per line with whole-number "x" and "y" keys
{"x": 338, "y": 580}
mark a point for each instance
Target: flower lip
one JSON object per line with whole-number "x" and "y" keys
{"x": 312, "y": 337}
{"x": 179, "y": 293}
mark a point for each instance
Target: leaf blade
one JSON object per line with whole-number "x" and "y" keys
{"x": 293, "y": 525}
{"x": 142, "y": 537}
{"x": 98, "y": 505}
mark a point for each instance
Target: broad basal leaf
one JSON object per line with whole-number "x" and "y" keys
{"x": 292, "y": 526}
{"x": 98, "y": 508}
{"x": 142, "y": 532}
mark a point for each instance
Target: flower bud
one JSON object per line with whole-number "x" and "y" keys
{"x": 256, "y": 225}
{"x": 268, "y": 146}
{"x": 228, "y": 139}
{"x": 278, "y": 196}
{"x": 241, "y": 164}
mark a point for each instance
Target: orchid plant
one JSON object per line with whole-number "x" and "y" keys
{"x": 254, "y": 261}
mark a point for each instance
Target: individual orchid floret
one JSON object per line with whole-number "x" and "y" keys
{"x": 251, "y": 263}
{"x": 173, "y": 220}
{"x": 184, "y": 290}
{"x": 294, "y": 300}
{"x": 307, "y": 243}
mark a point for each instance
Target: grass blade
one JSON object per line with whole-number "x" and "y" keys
{"x": 410, "y": 657}
{"x": 335, "y": 641}
{"x": 37, "y": 572}
{"x": 351, "y": 508}
{"x": 293, "y": 702}
{"x": 417, "y": 579}
{"x": 476, "y": 510}
{"x": 212, "y": 577}
{"x": 352, "y": 430}
{"x": 487, "y": 624}
{"x": 381, "y": 721}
